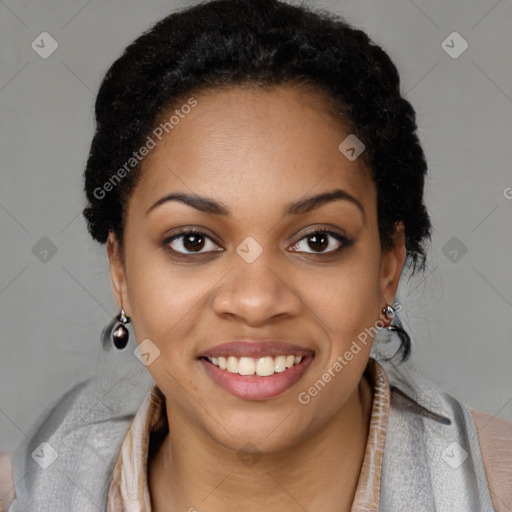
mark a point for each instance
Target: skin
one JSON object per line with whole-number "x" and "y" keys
{"x": 255, "y": 151}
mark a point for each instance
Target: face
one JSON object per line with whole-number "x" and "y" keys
{"x": 249, "y": 268}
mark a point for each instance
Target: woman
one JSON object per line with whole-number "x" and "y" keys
{"x": 257, "y": 180}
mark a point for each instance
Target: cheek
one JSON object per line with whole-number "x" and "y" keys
{"x": 348, "y": 305}
{"x": 347, "y": 299}
{"x": 347, "y": 308}
{"x": 158, "y": 295}
{"x": 168, "y": 302}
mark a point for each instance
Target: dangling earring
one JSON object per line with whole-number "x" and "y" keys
{"x": 120, "y": 335}
{"x": 389, "y": 312}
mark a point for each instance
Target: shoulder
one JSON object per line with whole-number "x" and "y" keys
{"x": 11, "y": 464}
{"x": 425, "y": 416}
{"x": 7, "y": 492}
{"x": 495, "y": 438}
{"x": 85, "y": 426}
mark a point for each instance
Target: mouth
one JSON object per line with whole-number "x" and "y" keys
{"x": 256, "y": 371}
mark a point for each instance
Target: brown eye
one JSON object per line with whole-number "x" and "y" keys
{"x": 319, "y": 241}
{"x": 191, "y": 242}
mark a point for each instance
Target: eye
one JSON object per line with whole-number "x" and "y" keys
{"x": 190, "y": 242}
{"x": 321, "y": 241}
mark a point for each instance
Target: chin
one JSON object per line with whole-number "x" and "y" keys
{"x": 251, "y": 433}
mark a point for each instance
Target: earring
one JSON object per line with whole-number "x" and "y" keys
{"x": 120, "y": 335}
{"x": 389, "y": 312}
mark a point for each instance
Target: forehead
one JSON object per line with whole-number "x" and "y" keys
{"x": 251, "y": 146}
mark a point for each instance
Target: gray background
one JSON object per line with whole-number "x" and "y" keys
{"x": 52, "y": 312}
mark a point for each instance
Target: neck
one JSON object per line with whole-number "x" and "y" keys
{"x": 320, "y": 473}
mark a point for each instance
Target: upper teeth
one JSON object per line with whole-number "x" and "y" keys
{"x": 262, "y": 366}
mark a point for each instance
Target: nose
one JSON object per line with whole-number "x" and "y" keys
{"x": 256, "y": 293}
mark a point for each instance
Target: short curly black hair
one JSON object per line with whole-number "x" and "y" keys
{"x": 223, "y": 43}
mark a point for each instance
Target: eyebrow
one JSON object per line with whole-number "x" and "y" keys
{"x": 304, "y": 205}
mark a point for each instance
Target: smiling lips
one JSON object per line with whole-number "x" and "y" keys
{"x": 256, "y": 370}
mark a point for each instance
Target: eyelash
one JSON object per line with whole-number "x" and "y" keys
{"x": 344, "y": 242}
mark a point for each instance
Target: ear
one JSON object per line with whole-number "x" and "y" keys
{"x": 117, "y": 274}
{"x": 391, "y": 264}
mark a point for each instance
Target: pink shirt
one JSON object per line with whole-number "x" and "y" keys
{"x": 129, "y": 491}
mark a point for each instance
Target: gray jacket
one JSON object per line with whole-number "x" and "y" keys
{"x": 432, "y": 457}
